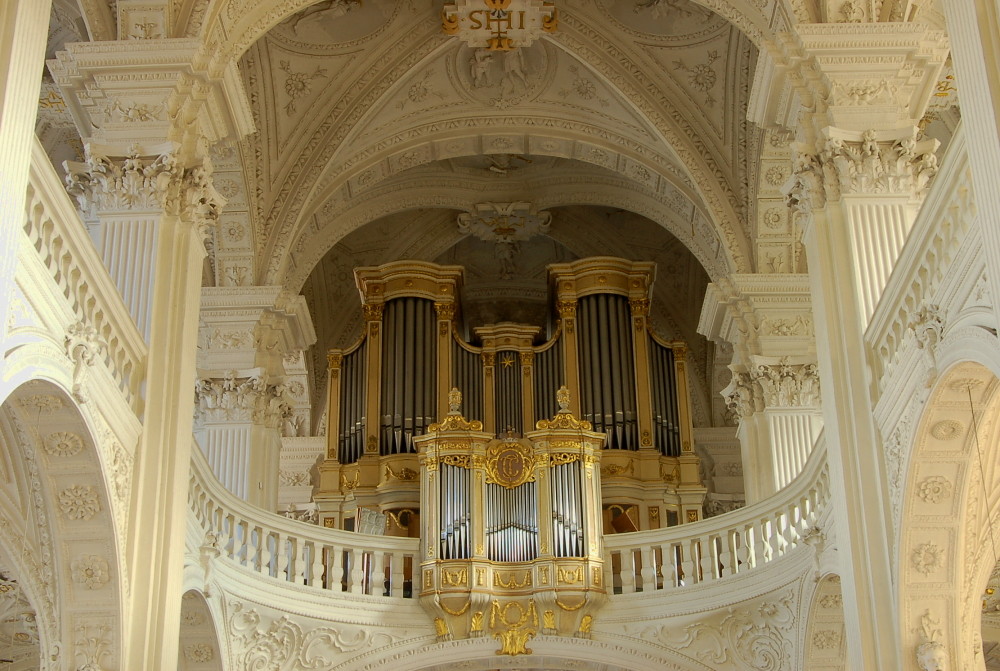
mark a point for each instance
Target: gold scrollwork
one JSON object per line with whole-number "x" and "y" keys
{"x": 441, "y": 627}
{"x": 509, "y": 464}
{"x": 428, "y": 579}
{"x": 404, "y": 474}
{"x": 455, "y": 578}
{"x": 350, "y": 484}
{"x": 511, "y": 581}
{"x": 569, "y": 576}
{"x": 480, "y": 572}
{"x": 549, "y": 619}
{"x": 543, "y": 572}
{"x": 596, "y": 576}
{"x": 460, "y": 460}
{"x": 563, "y": 420}
{"x": 617, "y": 469}
{"x": 401, "y": 519}
{"x": 477, "y": 621}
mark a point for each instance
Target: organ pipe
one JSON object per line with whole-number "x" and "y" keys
{"x": 625, "y": 381}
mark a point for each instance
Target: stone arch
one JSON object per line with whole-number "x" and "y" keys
{"x": 240, "y": 23}
{"x": 644, "y": 170}
{"x": 199, "y": 646}
{"x": 314, "y": 242}
{"x": 951, "y": 507}
{"x": 74, "y": 562}
{"x": 825, "y": 646}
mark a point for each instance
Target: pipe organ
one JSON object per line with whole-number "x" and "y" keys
{"x": 623, "y": 379}
{"x": 512, "y": 543}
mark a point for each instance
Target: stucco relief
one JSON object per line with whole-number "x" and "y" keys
{"x": 756, "y": 636}
{"x": 283, "y": 644}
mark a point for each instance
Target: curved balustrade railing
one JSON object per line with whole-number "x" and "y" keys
{"x": 344, "y": 561}
{"x": 63, "y": 246}
{"x": 298, "y": 552}
{"x": 730, "y": 544}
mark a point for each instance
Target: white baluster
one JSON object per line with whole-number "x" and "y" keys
{"x": 396, "y": 575}
{"x": 358, "y": 557}
{"x": 648, "y": 572}
{"x": 628, "y": 571}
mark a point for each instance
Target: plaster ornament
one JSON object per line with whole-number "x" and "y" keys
{"x": 199, "y": 653}
{"x": 947, "y": 429}
{"x": 747, "y": 637}
{"x": 285, "y": 645}
{"x": 932, "y": 656}
{"x": 63, "y": 444}
{"x": 79, "y": 502}
{"x": 91, "y": 571}
{"x": 866, "y": 166}
{"x": 242, "y": 396}
{"x": 298, "y": 84}
{"x": 934, "y": 489}
{"x": 82, "y": 346}
{"x": 831, "y": 601}
{"x": 192, "y": 618}
{"x": 927, "y": 326}
{"x": 927, "y": 558}
{"x": 702, "y": 77}
{"x": 776, "y": 175}
{"x": 93, "y": 646}
{"x": 826, "y": 639}
{"x": 852, "y": 11}
{"x": 506, "y": 225}
{"x": 417, "y": 92}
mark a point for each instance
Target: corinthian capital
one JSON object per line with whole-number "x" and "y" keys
{"x": 865, "y": 163}
{"x": 137, "y": 183}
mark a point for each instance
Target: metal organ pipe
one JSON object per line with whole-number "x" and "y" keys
{"x": 666, "y": 414}
{"x": 608, "y": 388}
{"x": 548, "y": 377}
{"x": 352, "y": 394}
{"x": 467, "y": 376}
{"x": 409, "y": 372}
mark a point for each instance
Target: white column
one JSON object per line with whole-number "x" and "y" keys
{"x": 23, "y": 26}
{"x": 127, "y": 245}
{"x": 243, "y": 395}
{"x": 152, "y": 182}
{"x": 775, "y": 390}
{"x": 974, "y": 28}
{"x": 859, "y": 176}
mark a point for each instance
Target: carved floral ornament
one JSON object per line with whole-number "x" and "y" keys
{"x": 138, "y": 182}
{"x": 242, "y": 396}
{"x": 781, "y": 384}
{"x": 868, "y": 165}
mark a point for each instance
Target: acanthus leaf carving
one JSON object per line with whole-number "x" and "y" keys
{"x": 285, "y": 645}
{"x": 772, "y": 385}
{"x": 102, "y": 185}
{"x": 746, "y": 637}
{"x": 866, "y": 166}
{"x": 242, "y": 396}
